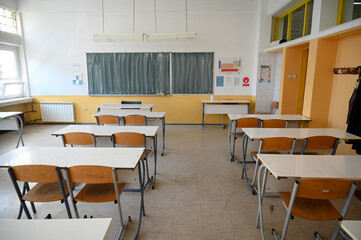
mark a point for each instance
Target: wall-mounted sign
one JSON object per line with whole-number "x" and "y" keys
{"x": 245, "y": 82}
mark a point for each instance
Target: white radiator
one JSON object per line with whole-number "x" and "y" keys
{"x": 57, "y": 111}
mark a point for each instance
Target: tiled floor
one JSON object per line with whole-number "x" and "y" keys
{"x": 199, "y": 193}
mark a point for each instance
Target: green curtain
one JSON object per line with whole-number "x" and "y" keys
{"x": 192, "y": 73}
{"x": 128, "y": 73}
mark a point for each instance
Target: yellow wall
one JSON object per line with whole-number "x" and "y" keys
{"x": 180, "y": 109}
{"x": 348, "y": 55}
{"x": 291, "y": 60}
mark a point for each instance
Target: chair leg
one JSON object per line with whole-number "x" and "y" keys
{"x": 31, "y": 203}
{"x": 18, "y": 192}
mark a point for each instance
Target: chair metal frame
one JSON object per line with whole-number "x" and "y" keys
{"x": 115, "y": 182}
{"x": 304, "y": 146}
{"x": 291, "y": 204}
{"x": 26, "y": 188}
{"x": 251, "y": 184}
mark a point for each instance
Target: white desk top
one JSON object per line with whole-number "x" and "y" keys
{"x": 56, "y": 229}
{"x": 120, "y": 158}
{"x": 287, "y": 117}
{"x": 105, "y": 131}
{"x": 345, "y": 167}
{"x": 298, "y": 133}
{"x": 110, "y": 105}
{"x": 225, "y": 101}
{"x": 352, "y": 228}
{"x": 4, "y": 115}
{"x": 122, "y": 113}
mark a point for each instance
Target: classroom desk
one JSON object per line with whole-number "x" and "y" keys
{"x": 233, "y": 118}
{"x": 12, "y": 121}
{"x": 352, "y": 228}
{"x": 107, "y": 131}
{"x": 126, "y": 106}
{"x": 148, "y": 114}
{"x": 299, "y": 167}
{"x": 296, "y": 133}
{"x": 224, "y": 107}
{"x": 56, "y": 229}
{"x": 121, "y": 159}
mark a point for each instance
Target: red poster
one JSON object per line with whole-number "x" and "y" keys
{"x": 245, "y": 82}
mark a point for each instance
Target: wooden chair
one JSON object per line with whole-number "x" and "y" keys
{"x": 49, "y": 187}
{"x": 243, "y": 123}
{"x": 271, "y": 146}
{"x": 274, "y": 123}
{"x": 78, "y": 139}
{"x": 107, "y": 119}
{"x": 320, "y": 143}
{"x": 101, "y": 185}
{"x": 273, "y": 110}
{"x": 310, "y": 199}
{"x": 135, "y": 120}
{"x": 132, "y": 139}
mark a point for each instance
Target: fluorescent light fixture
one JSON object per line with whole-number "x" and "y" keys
{"x": 155, "y": 37}
{"x": 118, "y": 37}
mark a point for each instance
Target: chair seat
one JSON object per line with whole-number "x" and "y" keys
{"x": 254, "y": 154}
{"x": 45, "y": 192}
{"x": 146, "y": 153}
{"x": 95, "y": 193}
{"x": 312, "y": 209}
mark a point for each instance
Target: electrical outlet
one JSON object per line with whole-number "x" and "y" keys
{"x": 84, "y": 109}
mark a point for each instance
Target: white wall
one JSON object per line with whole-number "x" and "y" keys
{"x": 57, "y": 35}
{"x": 11, "y": 4}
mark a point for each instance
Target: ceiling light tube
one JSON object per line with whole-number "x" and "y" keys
{"x": 158, "y": 37}
{"x": 118, "y": 37}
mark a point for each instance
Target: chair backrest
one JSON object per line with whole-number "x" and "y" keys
{"x": 90, "y": 174}
{"x": 129, "y": 139}
{"x": 35, "y": 173}
{"x": 274, "y": 107}
{"x": 107, "y": 119}
{"x": 131, "y": 102}
{"x": 276, "y": 144}
{"x": 78, "y": 138}
{"x": 274, "y": 123}
{"x": 323, "y": 189}
{"x": 320, "y": 143}
{"x": 247, "y": 123}
{"x": 135, "y": 120}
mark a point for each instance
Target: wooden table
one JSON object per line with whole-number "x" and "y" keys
{"x": 295, "y": 133}
{"x": 107, "y": 131}
{"x": 233, "y": 118}
{"x": 224, "y": 107}
{"x": 56, "y": 229}
{"x": 126, "y": 106}
{"x": 352, "y": 228}
{"x": 148, "y": 114}
{"x": 12, "y": 121}
{"x": 298, "y": 167}
{"x": 117, "y": 158}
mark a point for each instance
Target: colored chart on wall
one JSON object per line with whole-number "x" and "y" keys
{"x": 229, "y": 65}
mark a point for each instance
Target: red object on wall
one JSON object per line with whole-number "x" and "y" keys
{"x": 245, "y": 82}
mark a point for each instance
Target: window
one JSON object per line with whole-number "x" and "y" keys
{"x": 294, "y": 23}
{"x": 10, "y": 80}
{"x": 7, "y": 21}
{"x": 348, "y": 10}
{"x": 149, "y": 73}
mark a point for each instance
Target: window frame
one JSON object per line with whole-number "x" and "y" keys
{"x": 306, "y": 4}
{"x": 15, "y": 50}
{"x": 341, "y": 12}
{"x": 14, "y": 19}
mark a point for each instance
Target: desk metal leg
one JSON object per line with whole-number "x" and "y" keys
{"x": 155, "y": 146}
{"x": 222, "y": 120}
{"x": 163, "y": 126}
{"x": 229, "y": 139}
{"x": 260, "y": 198}
{"x": 20, "y": 130}
{"x": 142, "y": 208}
{"x": 203, "y": 117}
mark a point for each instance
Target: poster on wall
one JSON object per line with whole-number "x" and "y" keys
{"x": 265, "y": 74}
{"x": 245, "y": 82}
{"x": 220, "y": 81}
{"x": 236, "y": 81}
{"x": 77, "y": 78}
{"x": 229, "y": 65}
